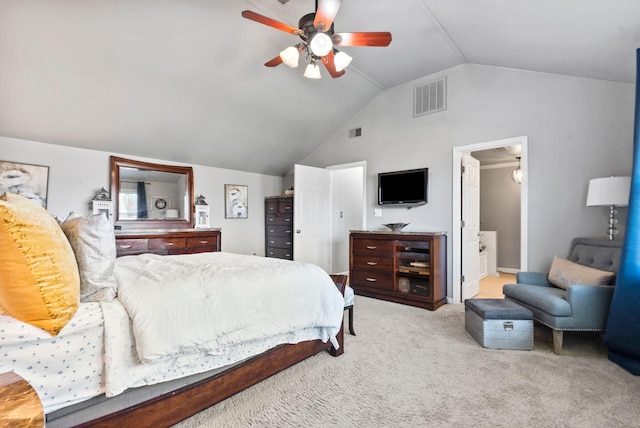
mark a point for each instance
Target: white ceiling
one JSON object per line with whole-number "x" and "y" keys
{"x": 184, "y": 80}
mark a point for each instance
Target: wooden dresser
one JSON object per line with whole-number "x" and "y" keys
{"x": 401, "y": 267}
{"x": 278, "y": 227}
{"x": 165, "y": 242}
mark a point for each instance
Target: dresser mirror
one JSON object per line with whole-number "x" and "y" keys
{"x": 151, "y": 196}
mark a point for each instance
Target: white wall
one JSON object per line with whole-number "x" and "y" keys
{"x": 76, "y": 174}
{"x": 577, "y": 129}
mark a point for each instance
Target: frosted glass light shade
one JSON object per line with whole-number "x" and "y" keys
{"x": 312, "y": 71}
{"x": 609, "y": 191}
{"x": 321, "y": 44}
{"x": 342, "y": 61}
{"x": 290, "y": 56}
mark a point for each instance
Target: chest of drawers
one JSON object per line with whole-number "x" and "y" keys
{"x": 401, "y": 267}
{"x": 278, "y": 227}
{"x": 166, "y": 242}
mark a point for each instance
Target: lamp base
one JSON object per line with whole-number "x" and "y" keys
{"x": 612, "y": 230}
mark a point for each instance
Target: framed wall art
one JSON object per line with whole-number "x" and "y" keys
{"x": 236, "y": 201}
{"x": 30, "y": 181}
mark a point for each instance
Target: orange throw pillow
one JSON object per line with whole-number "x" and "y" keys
{"x": 39, "y": 280}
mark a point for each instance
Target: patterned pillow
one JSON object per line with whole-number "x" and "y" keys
{"x": 564, "y": 273}
{"x": 94, "y": 245}
{"x": 39, "y": 280}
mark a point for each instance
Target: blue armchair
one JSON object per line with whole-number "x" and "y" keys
{"x": 579, "y": 307}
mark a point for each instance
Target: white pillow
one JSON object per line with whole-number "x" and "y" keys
{"x": 94, "y": 245}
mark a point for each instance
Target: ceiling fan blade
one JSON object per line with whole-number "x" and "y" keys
{"x": 271, "y": 22}
{"x": 381, "y": 38}
{"x": 326, "y": 13}
{"x": 274, "y": 62}
{"x": 329, "y": 63}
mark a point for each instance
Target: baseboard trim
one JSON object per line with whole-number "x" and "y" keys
{"x": 508, "y": 270}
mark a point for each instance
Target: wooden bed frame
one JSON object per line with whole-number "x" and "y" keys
{"x": 175, "y": 406}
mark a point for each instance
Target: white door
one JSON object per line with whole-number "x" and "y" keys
{"x": 470, "y": 226}
{"x": 312, "y": 216}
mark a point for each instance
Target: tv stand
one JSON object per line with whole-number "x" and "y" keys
{"x": 402, "y": 267}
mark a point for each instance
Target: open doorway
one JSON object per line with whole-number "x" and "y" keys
{"x": 459, "y": 261}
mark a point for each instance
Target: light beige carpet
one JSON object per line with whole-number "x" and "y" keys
{"x": 410, "y": 367}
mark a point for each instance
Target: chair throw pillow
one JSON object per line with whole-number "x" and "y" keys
{"x": 564, "y": 273}
{"x": 39, "y": 280}
{"x": 94, "y": 245}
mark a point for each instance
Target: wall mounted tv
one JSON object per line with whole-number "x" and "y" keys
{"x": 408, "y": 187}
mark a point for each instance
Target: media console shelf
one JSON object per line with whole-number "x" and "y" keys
{"x": 401, "y": 267}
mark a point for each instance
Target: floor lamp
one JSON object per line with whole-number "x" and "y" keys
{"x": 609, "y": 192}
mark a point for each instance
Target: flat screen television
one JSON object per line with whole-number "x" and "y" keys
{"x": 408, "y": 187}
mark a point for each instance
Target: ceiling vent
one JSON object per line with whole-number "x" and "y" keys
{"x": 430, "y": 97}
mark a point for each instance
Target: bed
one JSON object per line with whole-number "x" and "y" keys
{"x": 166, "y": 336}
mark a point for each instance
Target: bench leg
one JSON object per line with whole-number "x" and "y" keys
{"x": 351, "y": 321}
{"x": 557, "y": 341}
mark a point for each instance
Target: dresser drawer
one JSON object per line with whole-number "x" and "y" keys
{"x": 375, "y": 247}
{"x": 131, "y": 246}
{"x": 166, "y": 244}
{"x": 199, "y": 244}
{"x": 280, "y": 253}
{"x": 280, "y": 241}
{"x": 282, "y": 219}
{"x": 285, "y": 207}
{"x": 271, "y": 207}
{"x": 372, "y": 279}
{"x": 279, "y": 230}
{"x": 372, "y": 263}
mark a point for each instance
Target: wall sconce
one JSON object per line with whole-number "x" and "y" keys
{"x": 612, "y": 192}
{"x": 201, "y": 212}
{"x": 516, "y": 174}
{"x": 102, "y": 204}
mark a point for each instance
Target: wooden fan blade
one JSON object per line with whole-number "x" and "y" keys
{"x": 274, "y": 62}
{"x": 381, "y": 38}
{"x": 271, "y": 22}
{"x": 326, "y": 13}
{"x": 329, "y": 63}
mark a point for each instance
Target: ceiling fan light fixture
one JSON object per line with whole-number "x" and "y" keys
{"x": 321, "y": 44}
{"x": 290, "y": 56}
{"x": 312, "y": 71}
{"x": 342, "y": 61}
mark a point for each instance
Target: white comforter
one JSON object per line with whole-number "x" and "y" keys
{"x": 224, "y": 306}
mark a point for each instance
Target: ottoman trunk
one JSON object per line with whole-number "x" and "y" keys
{"x": 499, "y": 323}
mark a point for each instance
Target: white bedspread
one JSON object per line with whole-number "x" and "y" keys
{"x": 63, "y": 369}
{"x": 221, "y": 306}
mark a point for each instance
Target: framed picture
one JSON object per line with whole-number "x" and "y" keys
{"x": 30, "y": 181}
{"x": 236, "y": 201}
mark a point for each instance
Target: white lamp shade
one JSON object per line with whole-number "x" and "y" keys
{"x": 609, "y": 191}
{"x": 312, "y": 71}
{"x": 321, "y": 44}
{"x": 341, "y": 61}
{"x": 290, "y": 56}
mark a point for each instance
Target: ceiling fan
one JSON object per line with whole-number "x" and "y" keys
{"x": 319, "y": 40}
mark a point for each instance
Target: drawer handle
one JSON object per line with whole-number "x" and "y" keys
{"x": 287, "y": 255}
{"x": 169, "y": 244}
{"x": 371, "y": 279}
{"x": 372, "y": 263}
{"x": 272, "y": 242}
{"x": 371, "y": 247}
{"x": 271, "y": 231}
{"x": 288, "y": 243}
{"x": 271, "y": 253}
{"x": 287, "y": 208}
{"x": 270, "y": 219}
{"x": 287, "y": 219}
{"x": 124, "y": 246}
{"x": 204, "y": 242}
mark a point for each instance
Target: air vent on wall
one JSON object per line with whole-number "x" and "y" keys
{"x": 356, "y": 132}
{"x": 430, "y": 97}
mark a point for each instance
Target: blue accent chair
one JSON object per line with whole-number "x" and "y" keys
{"x": 579, "y": 307}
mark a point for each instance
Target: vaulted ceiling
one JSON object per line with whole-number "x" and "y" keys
{"x": 184, "y": 80}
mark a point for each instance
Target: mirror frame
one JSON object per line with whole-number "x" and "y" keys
{"x": 117, "y": 163}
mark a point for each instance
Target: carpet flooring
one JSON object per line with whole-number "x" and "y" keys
{"x": 410, "y": 367}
